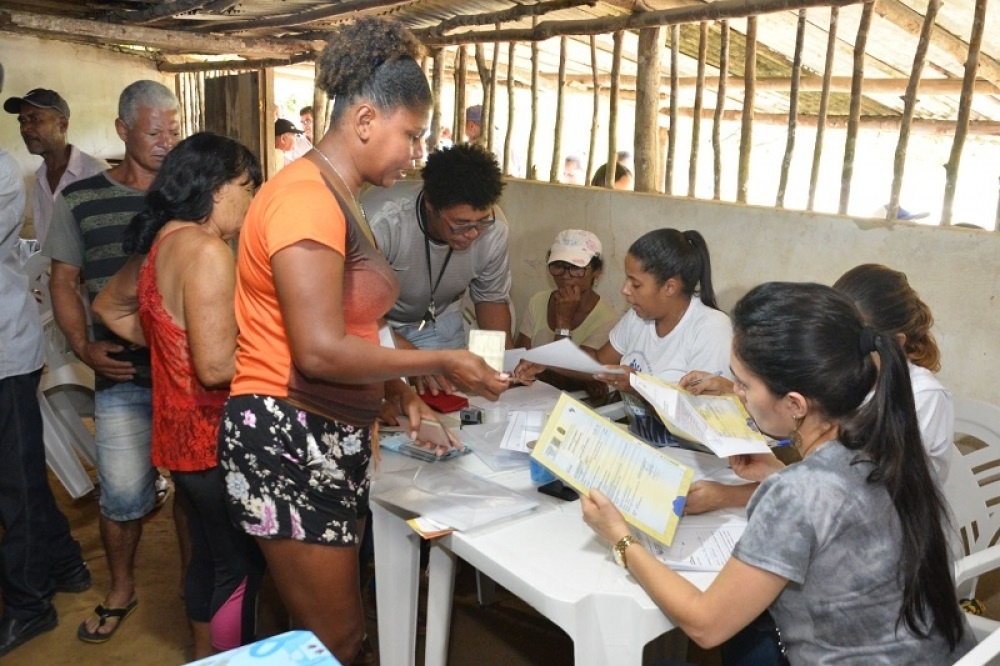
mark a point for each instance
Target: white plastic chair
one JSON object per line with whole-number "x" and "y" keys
{"x": 65, "y": 394}
{"x": 987, "y": 653}
{"x": 973, "y": 492}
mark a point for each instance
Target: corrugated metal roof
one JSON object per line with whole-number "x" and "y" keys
{"x": 891, "y": 41}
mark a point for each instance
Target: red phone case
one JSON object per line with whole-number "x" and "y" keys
{"x": 442, "y": 402}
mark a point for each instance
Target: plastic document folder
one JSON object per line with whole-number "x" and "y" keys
{"x": 586, "y": 451}
{"x": 454, "y": 498}
{"x": 293, "y": 648}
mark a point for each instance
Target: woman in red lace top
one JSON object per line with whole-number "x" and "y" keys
{"x": 176, "y": 297}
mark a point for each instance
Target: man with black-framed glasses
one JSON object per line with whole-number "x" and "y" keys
{"x": 444, "y": 235}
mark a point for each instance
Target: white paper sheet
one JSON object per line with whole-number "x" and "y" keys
{"x": 696, "y": 547}
{"x": 566, "y": 355}
{"x": 490, "y": 346}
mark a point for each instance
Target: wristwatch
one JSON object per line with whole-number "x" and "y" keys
{"x": 618, "y": 550}
{"x": 563, "y": 332}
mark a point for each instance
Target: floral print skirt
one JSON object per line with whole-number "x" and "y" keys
{"x": 291, "y": 474}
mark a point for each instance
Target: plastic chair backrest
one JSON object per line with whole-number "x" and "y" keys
{"x": 973, "y": 486}
{"x": 987, "y": 653}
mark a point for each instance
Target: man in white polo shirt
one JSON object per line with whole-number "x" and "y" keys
{"x": 44, "y": 119}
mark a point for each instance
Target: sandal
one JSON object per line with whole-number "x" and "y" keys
{"x": 162, "y": 489}
{"x": 105, "y": 614}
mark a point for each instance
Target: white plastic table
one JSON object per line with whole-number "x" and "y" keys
{"x": 548, "y": 558}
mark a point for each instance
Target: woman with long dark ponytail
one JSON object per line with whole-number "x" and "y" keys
{"x": 674, "y": 324}
{"x": 847, "y": 548}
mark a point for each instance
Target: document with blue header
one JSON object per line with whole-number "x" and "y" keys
{"x": 586, "y": 451}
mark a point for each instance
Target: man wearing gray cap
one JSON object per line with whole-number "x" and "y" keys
{"x": 44, "y": 119}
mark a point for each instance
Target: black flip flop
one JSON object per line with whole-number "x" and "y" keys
{"x": 105, "y": 614}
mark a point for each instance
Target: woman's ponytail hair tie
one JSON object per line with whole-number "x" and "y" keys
{"x": 869, "y": 336}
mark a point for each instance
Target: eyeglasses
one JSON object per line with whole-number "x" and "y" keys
{"x": 467, "y": 227}
{"x": 558, "y": 268}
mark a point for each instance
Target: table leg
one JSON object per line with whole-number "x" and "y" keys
{"x": 440, "y": 593}
{"x": 397, "y": 562}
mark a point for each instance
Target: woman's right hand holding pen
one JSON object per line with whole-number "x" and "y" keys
{"x": 700, "y": 382}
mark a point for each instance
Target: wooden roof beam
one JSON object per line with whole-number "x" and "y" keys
{"x": 880, "y": 123}
{"x": 898, "y": 13}
{"x": 512, "y": 14}
{"x": 170, "y": 40}
{"x": 722, "y": 9}
{"x": 873, "y": 86}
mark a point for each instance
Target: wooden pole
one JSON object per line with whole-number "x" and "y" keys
{"x": 668, "y": 178}
{"x": 458, "y": 132}
{"x": 699, "y": 91}
{"x": 996, "y": 222}
{"x": 616, "y": 68}
{"x": 824, "y": 105}
{"x": 530, "y": 166}
{"x": 793, "y": 109}
{"x": 746, "y": 126}
{"x": 597, "y": 110}
{"x": 847, "y": 172}
{"x": 964, "y": 110}
{"x": 557, "y": 139}
{"x": 909, "y": 102}
{"x": 437, "y": 85}
{"x": 508, "y": 142}
{"x": 720, "y": 108}
{"x": 484, "y": 82}
{"x": 490, "y": 139}
{"x": 320, "y": 119}
{"x": 647, "y": 105}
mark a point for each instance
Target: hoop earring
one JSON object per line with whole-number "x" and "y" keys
{"x": 795, "y": 437}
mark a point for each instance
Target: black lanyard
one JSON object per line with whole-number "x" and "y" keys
{"x": 431, "y": 314}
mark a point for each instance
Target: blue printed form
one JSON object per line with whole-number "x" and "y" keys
{"x": 586, "y": 451}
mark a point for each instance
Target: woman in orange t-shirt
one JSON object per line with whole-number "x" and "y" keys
{"x": 310, "y": 375}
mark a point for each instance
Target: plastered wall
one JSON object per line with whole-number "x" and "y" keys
{"x": 955, "y": 270}
{"x": 89, "y": 79}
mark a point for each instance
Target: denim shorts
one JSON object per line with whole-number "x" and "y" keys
{"x": 123, "y": 423}
{"x": 448, "y": 332}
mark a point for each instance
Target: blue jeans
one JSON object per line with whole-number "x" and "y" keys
{"x": 123, "y": 416}
{"x": 447, "y": 332}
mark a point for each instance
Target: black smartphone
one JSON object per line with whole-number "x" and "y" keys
{"x": 559, "y": 490}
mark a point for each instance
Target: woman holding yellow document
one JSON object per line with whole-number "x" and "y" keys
{"x": 847, "y": 548}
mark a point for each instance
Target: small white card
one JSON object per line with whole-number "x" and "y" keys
{"x": 490, "y": 345}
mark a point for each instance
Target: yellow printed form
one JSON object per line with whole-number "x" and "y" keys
{"x": 720, "y": 422}
{"x": 587, "y": 451}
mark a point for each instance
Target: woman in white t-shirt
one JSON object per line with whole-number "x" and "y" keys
{"x": 890, "y": 305}
{"x": 674, "y": 324}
